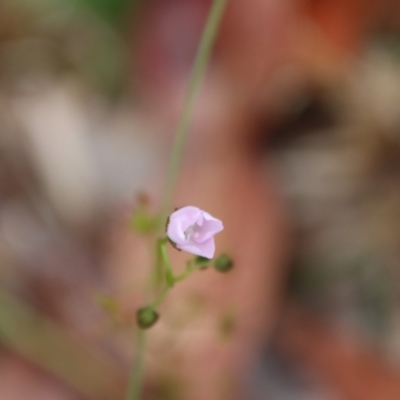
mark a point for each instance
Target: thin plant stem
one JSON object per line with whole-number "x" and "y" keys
{"x": 169, "y": 275}
{"x": 190, "y": 267}
{"x": 158, "y": 270}
{"x": 196, "y": 79}
{"x": 137, "y": 372}
{"x": 161, "y": 297}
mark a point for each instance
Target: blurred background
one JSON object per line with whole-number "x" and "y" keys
{"x": 295, "y": 145}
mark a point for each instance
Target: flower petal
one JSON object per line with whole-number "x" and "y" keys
{"x": 209, "y": 229}
{"x": 205, "y": 249}
{"x": 190, "y": 212}
{"x": 175, "y": 231}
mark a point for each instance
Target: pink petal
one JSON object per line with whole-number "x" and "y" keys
{"x": 190, "y": 212}
{"x": 205, "y": 249}
{"x": 180, "y": 220}
{"x": 175, "y": 231}
{"x": 209, "y": 229}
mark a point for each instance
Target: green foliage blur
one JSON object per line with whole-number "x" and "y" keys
{"x": 90, "y": 38}
{"x": 114, "y": 11}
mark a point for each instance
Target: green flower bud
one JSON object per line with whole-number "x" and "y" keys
{"x": 146, "y": 317}
{"x": 202, "y": 262}
{"x": 223, "y": 263}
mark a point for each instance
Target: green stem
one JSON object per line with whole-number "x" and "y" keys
{"x": 189, "y": 269}
{"x": 136, "y": 377}
{"x": 196, "y": 78}
{"x": 161, "y": 297}
{"x": 158, "y": 265}
{"x": 169, "y": 275}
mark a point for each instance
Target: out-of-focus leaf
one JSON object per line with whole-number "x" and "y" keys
{"x": 113, "y": 11}
{"x": 142, "y": 222}
{"x": 39, "y": 340}
{"x": 109, "y": 304}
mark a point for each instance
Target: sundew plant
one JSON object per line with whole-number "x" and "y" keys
{"x": 187, "y": 228}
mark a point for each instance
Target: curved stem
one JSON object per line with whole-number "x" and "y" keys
{"x": 190, "y": 267}
{"x": 161, "y": 297}
{"x": 196, "y": 78}
{"x": 169, "y": 275}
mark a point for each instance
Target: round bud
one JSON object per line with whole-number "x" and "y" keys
{"x": 146, "y": 317}
{"x": 202, "y": 262}
{"x": 223, "y": 263}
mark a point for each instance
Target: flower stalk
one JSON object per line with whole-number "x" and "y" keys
{"x": 196, "y": 79}
{"x": 137, "y": 371}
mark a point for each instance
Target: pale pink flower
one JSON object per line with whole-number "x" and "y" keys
{"x": 193, "y": 230}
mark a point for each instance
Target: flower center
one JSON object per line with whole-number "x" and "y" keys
{"x": 191, "y": 232}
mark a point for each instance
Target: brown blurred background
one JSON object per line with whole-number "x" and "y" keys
{"x": 295, "y": 145}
